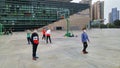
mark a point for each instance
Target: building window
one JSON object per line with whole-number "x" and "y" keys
{"x": 58, "y": 28}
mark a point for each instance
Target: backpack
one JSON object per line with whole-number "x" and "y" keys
{"x": 35, "y": 40}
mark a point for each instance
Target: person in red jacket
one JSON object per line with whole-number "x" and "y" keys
{"x": 43, "y": 33}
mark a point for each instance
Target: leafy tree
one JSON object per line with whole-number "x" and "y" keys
{"x": 110, "y": 25}
{"x": 103, "y": 26}
{"x": 117, "y": 23}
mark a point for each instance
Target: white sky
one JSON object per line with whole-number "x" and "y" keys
{"x": 109, "y": 4}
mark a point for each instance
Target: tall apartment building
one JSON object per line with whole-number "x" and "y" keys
{"x": 98, "y": 10}
{"x": 113, "y": 15}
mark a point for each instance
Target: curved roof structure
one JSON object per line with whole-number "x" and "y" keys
{"x": 61, "y": 0}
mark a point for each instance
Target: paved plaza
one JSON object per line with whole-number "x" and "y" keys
{"x": 64, "y": 52}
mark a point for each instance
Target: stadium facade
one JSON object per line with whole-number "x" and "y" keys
{"x": 27, "y": 14}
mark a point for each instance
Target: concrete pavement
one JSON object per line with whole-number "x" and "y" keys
{"x": 104, "y": 51}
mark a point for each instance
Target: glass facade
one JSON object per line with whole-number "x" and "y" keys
{"x": 26, "y": 14}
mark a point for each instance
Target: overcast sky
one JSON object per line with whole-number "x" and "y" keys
{"x": 109, "y": 4}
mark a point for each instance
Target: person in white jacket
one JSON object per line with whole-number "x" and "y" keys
{"x": 48, "y": 36}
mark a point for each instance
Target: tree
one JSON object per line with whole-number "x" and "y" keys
{"x": 110, "y": 25}
{"x": 103, "y": 26}
{"x": 117, "y": 23}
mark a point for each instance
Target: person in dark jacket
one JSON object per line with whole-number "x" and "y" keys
{"x": 35, "y": 42}
{"x": 84, "y": 38}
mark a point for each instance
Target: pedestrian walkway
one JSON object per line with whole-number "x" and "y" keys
{"x": 104, "y": 51}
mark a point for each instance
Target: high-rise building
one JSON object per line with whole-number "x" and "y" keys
{"x": 118, "y": 16}
{"x": 110, "y": 17}
{"x": 98, "y": 10}
{"x": 113, "y": 15}
{"x": 102, "y": 10}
